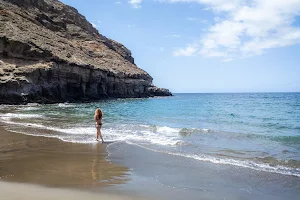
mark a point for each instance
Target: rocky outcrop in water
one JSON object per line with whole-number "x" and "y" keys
{"x": 50, "y": 53}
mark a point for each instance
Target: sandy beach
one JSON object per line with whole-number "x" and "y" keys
{"x": 62, "y": 167}
{"x": 34, "y": 192}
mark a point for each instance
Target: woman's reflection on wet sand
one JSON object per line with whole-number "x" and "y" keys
{"x": 51, "y": 162}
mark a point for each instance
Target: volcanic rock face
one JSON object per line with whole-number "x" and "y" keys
{"x": 51, "y": 53}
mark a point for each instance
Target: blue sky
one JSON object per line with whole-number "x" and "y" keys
{"x": 206, "y": 45}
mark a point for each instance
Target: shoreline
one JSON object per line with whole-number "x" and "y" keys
{"x": 50, "y": 162}
{"x": 164, "y": 176}
{"x": 83, "y": 101}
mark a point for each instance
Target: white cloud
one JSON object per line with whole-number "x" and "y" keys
{"x": 191, "y": 19}
{"x": 216, "y": 5}
{"x": 94, "y": 25}
{"x": 173, "y": 35}
{"x": 131, "y": 25}
{"x": 135, "y": 3}
{"x": 245, "y": 28}
{"x": 190, "y": 50}
{"x": 118, "y": 2}
{"x": 196, "y": 19}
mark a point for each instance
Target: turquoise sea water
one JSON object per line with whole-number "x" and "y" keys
{"x": 260, "y": 131}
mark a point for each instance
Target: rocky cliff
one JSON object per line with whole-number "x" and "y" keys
{"x": 51, "y": 53}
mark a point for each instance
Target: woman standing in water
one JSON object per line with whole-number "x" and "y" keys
{"x": 98, "y": 118}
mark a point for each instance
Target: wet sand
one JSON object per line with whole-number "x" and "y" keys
{"x": 55, "y": 164}
{"x": 51, "y": 162}
{"x": 159, "y": 175}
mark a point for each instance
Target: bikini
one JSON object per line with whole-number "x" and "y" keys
{"x": 98, "y": 124}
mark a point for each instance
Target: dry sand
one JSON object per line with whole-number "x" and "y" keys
{"x": 16, "y": 191}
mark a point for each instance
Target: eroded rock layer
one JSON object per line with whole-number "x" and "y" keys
{"x": 51, "y": 53}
